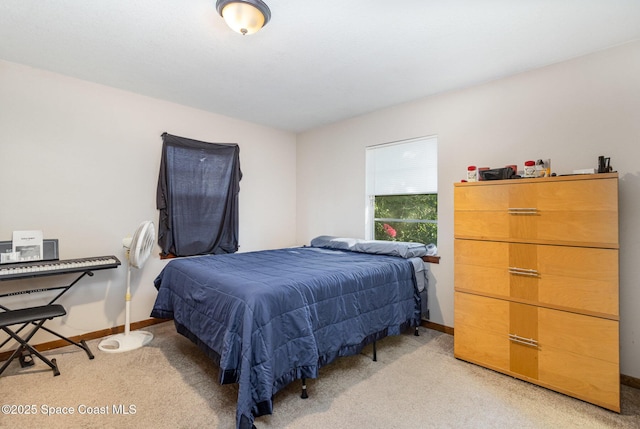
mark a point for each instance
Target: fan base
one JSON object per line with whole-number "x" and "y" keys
{"x": 125, "y": 342}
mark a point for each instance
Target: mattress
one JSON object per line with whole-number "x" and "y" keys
{"x": 270, "y": 317}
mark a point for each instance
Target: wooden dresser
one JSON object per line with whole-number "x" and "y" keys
{"x": 536, "y": 282}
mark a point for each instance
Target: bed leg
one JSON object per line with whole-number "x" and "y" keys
{"x": 375, "y": 354}
{"x": 416, "y": 333}
{"x": 304, "y": 394}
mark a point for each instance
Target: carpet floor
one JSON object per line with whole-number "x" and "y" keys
{"x": 170, "y": 383}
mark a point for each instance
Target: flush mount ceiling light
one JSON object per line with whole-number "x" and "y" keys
{"x": 244, "y": 16}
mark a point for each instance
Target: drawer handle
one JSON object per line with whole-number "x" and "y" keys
{"x": 521, "y": 340}
{"x": 523, "y": 272}
{"x": 522, "y": 210}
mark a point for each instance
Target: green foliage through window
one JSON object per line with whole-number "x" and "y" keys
{"x": 406, "y": 218}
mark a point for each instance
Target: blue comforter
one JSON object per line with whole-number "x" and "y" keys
{"x": 270, "y": 317}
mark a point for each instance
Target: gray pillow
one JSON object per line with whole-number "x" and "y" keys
{"x": 404, "y": 249}
{"x": 331, "y": 242}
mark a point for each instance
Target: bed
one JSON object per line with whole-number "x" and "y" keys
{"x": 270, "y": 317}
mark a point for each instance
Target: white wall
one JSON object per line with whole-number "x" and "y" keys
{"x": 570, "y": 112}
{"x": 80, "y": 161}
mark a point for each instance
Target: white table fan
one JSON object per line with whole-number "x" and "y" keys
{"x": 138, "y": 248}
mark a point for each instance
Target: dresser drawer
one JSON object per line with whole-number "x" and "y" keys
{"x": 578, "y": 212}
{"x": 572, "y": 278}
{"x": 572, "y": 353}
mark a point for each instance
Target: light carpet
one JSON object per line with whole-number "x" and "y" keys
{"x": 416, "y": 383}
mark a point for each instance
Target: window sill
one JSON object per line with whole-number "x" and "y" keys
{"x": 167, "y": 256}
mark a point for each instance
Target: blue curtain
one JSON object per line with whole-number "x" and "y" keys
{"x": 197, "y": 197}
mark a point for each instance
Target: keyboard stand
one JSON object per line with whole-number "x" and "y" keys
{"x": 64, "y": 290}
{"x": 25, "y": 351}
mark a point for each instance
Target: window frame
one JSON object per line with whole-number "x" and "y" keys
{"x": 427, "y": 185}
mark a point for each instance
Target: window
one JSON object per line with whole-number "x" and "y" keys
{"x": 401, "y": 188}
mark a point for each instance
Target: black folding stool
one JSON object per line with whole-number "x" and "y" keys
{"x": 32, "y": 315}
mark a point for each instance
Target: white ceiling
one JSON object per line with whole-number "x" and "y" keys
{"x": 317, "y": 61}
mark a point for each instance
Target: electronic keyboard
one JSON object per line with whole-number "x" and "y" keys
{"x": 47, "y": 268}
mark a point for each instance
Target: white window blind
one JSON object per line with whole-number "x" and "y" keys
{"x": 403, "y": 168}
